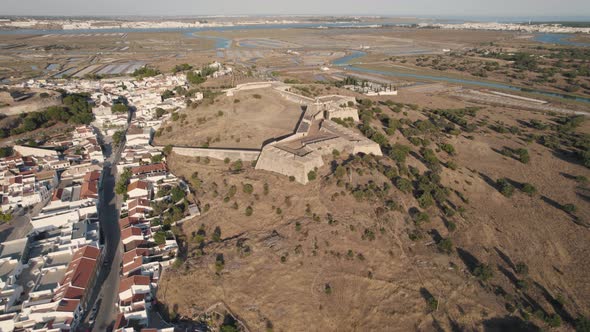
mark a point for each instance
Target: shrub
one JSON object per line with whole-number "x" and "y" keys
{"x": 328, "y": 289}
{"x": 340, "y": 172}
{"x": 249, "y": 211}
{"x": 291, "y": 178}
{"x": 504, "y": 187}
{"x": 399, "y": 152}
{"x": 219, "y": 263}
{"x": 403, "y": 184}
{"x": 265, "y": 189}
{"x": 523, "y": 155}
{"x": 226, "y": 161}
{"x": 236, "y": 166}
{"x": 247, "y": 188}
{"x": 312, "y": 175}
{"x": 448, "y": 148}
{"x": 451, "y": 226}
{"x": 522, "y": 268}
{"x": 167, "y": 150}
{"x": 529, "y": 189}
{"x": 297, "y": 226}
{"x": 484, "y": 272}
{"x": 569, "y": 208}
{"x": 445, "y": 245}
{"x": 160, "y": 237}
{"x": 553, "y": 320}
{"x": 432, "y": 303}
{"x": 216, "y": 234}
{"x": 425, "y": 200}
{"x": 583, "y": 324}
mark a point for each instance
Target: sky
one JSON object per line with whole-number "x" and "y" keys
{"x": 440, "y": 8}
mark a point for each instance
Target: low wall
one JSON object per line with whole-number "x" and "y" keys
{"x": 248, "y": 86}
{"x": 221, "y": 154}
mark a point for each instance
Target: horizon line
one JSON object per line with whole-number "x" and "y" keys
{"x": 406, "y": 16}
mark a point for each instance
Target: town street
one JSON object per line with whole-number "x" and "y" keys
{"x": 105, "y": 292}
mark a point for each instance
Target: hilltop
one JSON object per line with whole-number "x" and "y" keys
{"x": 476, "y": 217}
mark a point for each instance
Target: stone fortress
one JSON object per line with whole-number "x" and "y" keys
{"x": 316, "y": 135}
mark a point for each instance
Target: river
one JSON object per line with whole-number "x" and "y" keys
{"x": 558, "y": 39}
{"x": 345, "y": 63}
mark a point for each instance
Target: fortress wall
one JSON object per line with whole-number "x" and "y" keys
{"x": 343, "y": 113}
{"x": 253, "y": 86}
{"x": 368, "y": 148}
{"x": 292, "y": 137}
{"x": 248, "y": 86}
{"x": 278, "y": 161}
{"x": 221, "y": 154}
{"x": 295, "y": 98}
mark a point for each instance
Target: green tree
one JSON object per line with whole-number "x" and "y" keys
{"x": 5, "y": 217}
{"x": 167, "y": 150}
{"x": 216, "y": 237}
{"x": 118, "y": 137}
{"x": 399, "y": 152}
{"x": 249, "y": 211}
{"x": 167, "y": 95}
{"x": 177, "y": 194}
{"x": 119, "y": 108}
{"x": 160, "y": 237}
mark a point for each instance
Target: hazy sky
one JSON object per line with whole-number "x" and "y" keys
{"x": 457, "y": 8}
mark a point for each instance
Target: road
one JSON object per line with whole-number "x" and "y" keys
{"x": 105, "y": 292}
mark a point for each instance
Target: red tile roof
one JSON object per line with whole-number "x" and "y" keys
{"x": 88, "y": 252}
{"x": 134, "y": 244}
{"x": 78, "y": 274}
{"x": 130, "y": 231}
{"x": 120, "y": 322}
{"x": 89, "y": 190}
{"x": 128, "y": 221}
{"x": 92, "y": 176}
{"x": 137, "y": 185}
{"x": 128, "y": 282}
{"x": 138, "y": 202}
{"x": 130, "y": 256}
{"x": 137, "y": 263}
{"x": 159, "y": 167}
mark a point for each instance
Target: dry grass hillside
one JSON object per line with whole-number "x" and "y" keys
{"x": 425, "y": 238}
{"x": 245, "y": 120}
